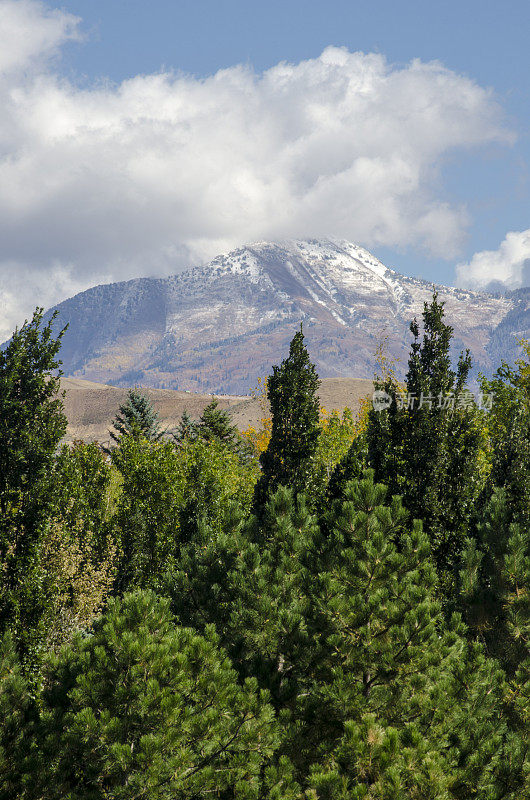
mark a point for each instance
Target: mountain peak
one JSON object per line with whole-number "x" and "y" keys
{"x": 221, "y": 326}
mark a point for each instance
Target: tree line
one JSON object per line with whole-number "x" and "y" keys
{"x": 333, "y": 608}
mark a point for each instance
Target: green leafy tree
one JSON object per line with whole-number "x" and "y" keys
{"x": 168, "y": 493}
{"x": 78, "y": 487}
{"x": 32, "y": 423}
{"x": 71, "y": 570}
{"x": 142, "y": 708}
{"x": 294, "y": 407}
{"x": 350, "y": 468}
{"x": 509, "y": 426}
{"x": 136, "y": 418}
{"x": 509, "y": 389}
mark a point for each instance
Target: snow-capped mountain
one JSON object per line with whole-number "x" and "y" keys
{"x": 220, "y": 326}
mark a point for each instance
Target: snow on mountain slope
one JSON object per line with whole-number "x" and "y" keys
{"x": 220, "y": 326}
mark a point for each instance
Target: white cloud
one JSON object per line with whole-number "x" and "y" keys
{"x": 167, "y": 169}
{"x": 508, "y": 267}
{"x": 31, "y": 32}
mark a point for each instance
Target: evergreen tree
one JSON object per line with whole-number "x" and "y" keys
{"x": 294, "y": 406}
{"x": 378, "y": 580}
{"x": 142, "y": 708}
{"x": 401, "y": 706}
{"x": 136, "y": 418}
{"x": 496, "y": 583}
{"x": 18, "y": 719}
{"x": 269, "y": 630}
{"x": 215, "y": 423}
{"x": 187, "y": 429}
{"x": 495, "y": 576}
{"x": 429, "y": 447}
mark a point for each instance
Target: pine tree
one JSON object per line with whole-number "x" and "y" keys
{"x": 401, "y": 705}
{"x": 18, "y": 719}
{"x": 143, "y": 708}
{"x": 268, "y": 626}
{"x": 495, "y": 577}
{"x": 495, "y": 583}
{"x": 378, "y": 580}
{"x": 136, "y": 418}
{"x": 215, "y": 423}
{"x": 294, "y": 406}
{"x": 187, "y": 430}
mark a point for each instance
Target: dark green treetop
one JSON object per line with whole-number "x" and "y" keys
{"x": 145, "y": 709}
{"x": 294, "y": 406}
{"x": 137, "y": 418}
{"x": 215, "y": 423}
{"x": 427, "y": 445}
{"x": 32, "y": 421}
{"x": 187, "y": 429}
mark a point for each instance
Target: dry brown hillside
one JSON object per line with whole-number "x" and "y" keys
{"x": 90, "y": 407}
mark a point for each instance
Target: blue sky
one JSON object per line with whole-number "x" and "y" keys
{"x": 443, "y": 187}
{"x": 486, "y": 40}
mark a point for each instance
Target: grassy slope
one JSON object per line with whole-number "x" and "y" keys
{"x": 91, "y": 407}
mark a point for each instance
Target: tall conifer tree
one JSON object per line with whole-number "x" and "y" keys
{"x": 427, "y": 445}
{"x": 294, "y": 405}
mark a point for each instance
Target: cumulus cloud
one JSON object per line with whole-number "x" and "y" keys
{"x": 30, "y": 32}
{"x": 167, "y": 170}
{"x": 505, "y": 268}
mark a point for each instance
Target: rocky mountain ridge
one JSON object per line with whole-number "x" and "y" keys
{"x": 218, "y": 327}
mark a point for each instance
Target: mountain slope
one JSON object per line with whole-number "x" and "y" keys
{"x": 91, "y": 407}
{"x": 217, "y": 328}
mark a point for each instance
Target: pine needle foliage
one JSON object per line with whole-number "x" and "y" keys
{"x": 145, "y": 709}
{"x": 136, "y": 418}
{"x": 215, "y": 423}
{"x": 186, "y": 430}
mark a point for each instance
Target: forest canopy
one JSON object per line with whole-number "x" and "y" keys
{"x": 333, "y": 607}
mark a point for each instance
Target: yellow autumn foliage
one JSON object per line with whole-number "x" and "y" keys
{"x": 337, "y": 430}
{"x": 77, "y": 580}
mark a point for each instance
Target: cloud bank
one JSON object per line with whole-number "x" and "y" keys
{"x": 166, "y": 170}
{"x": 505, "y": 268}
